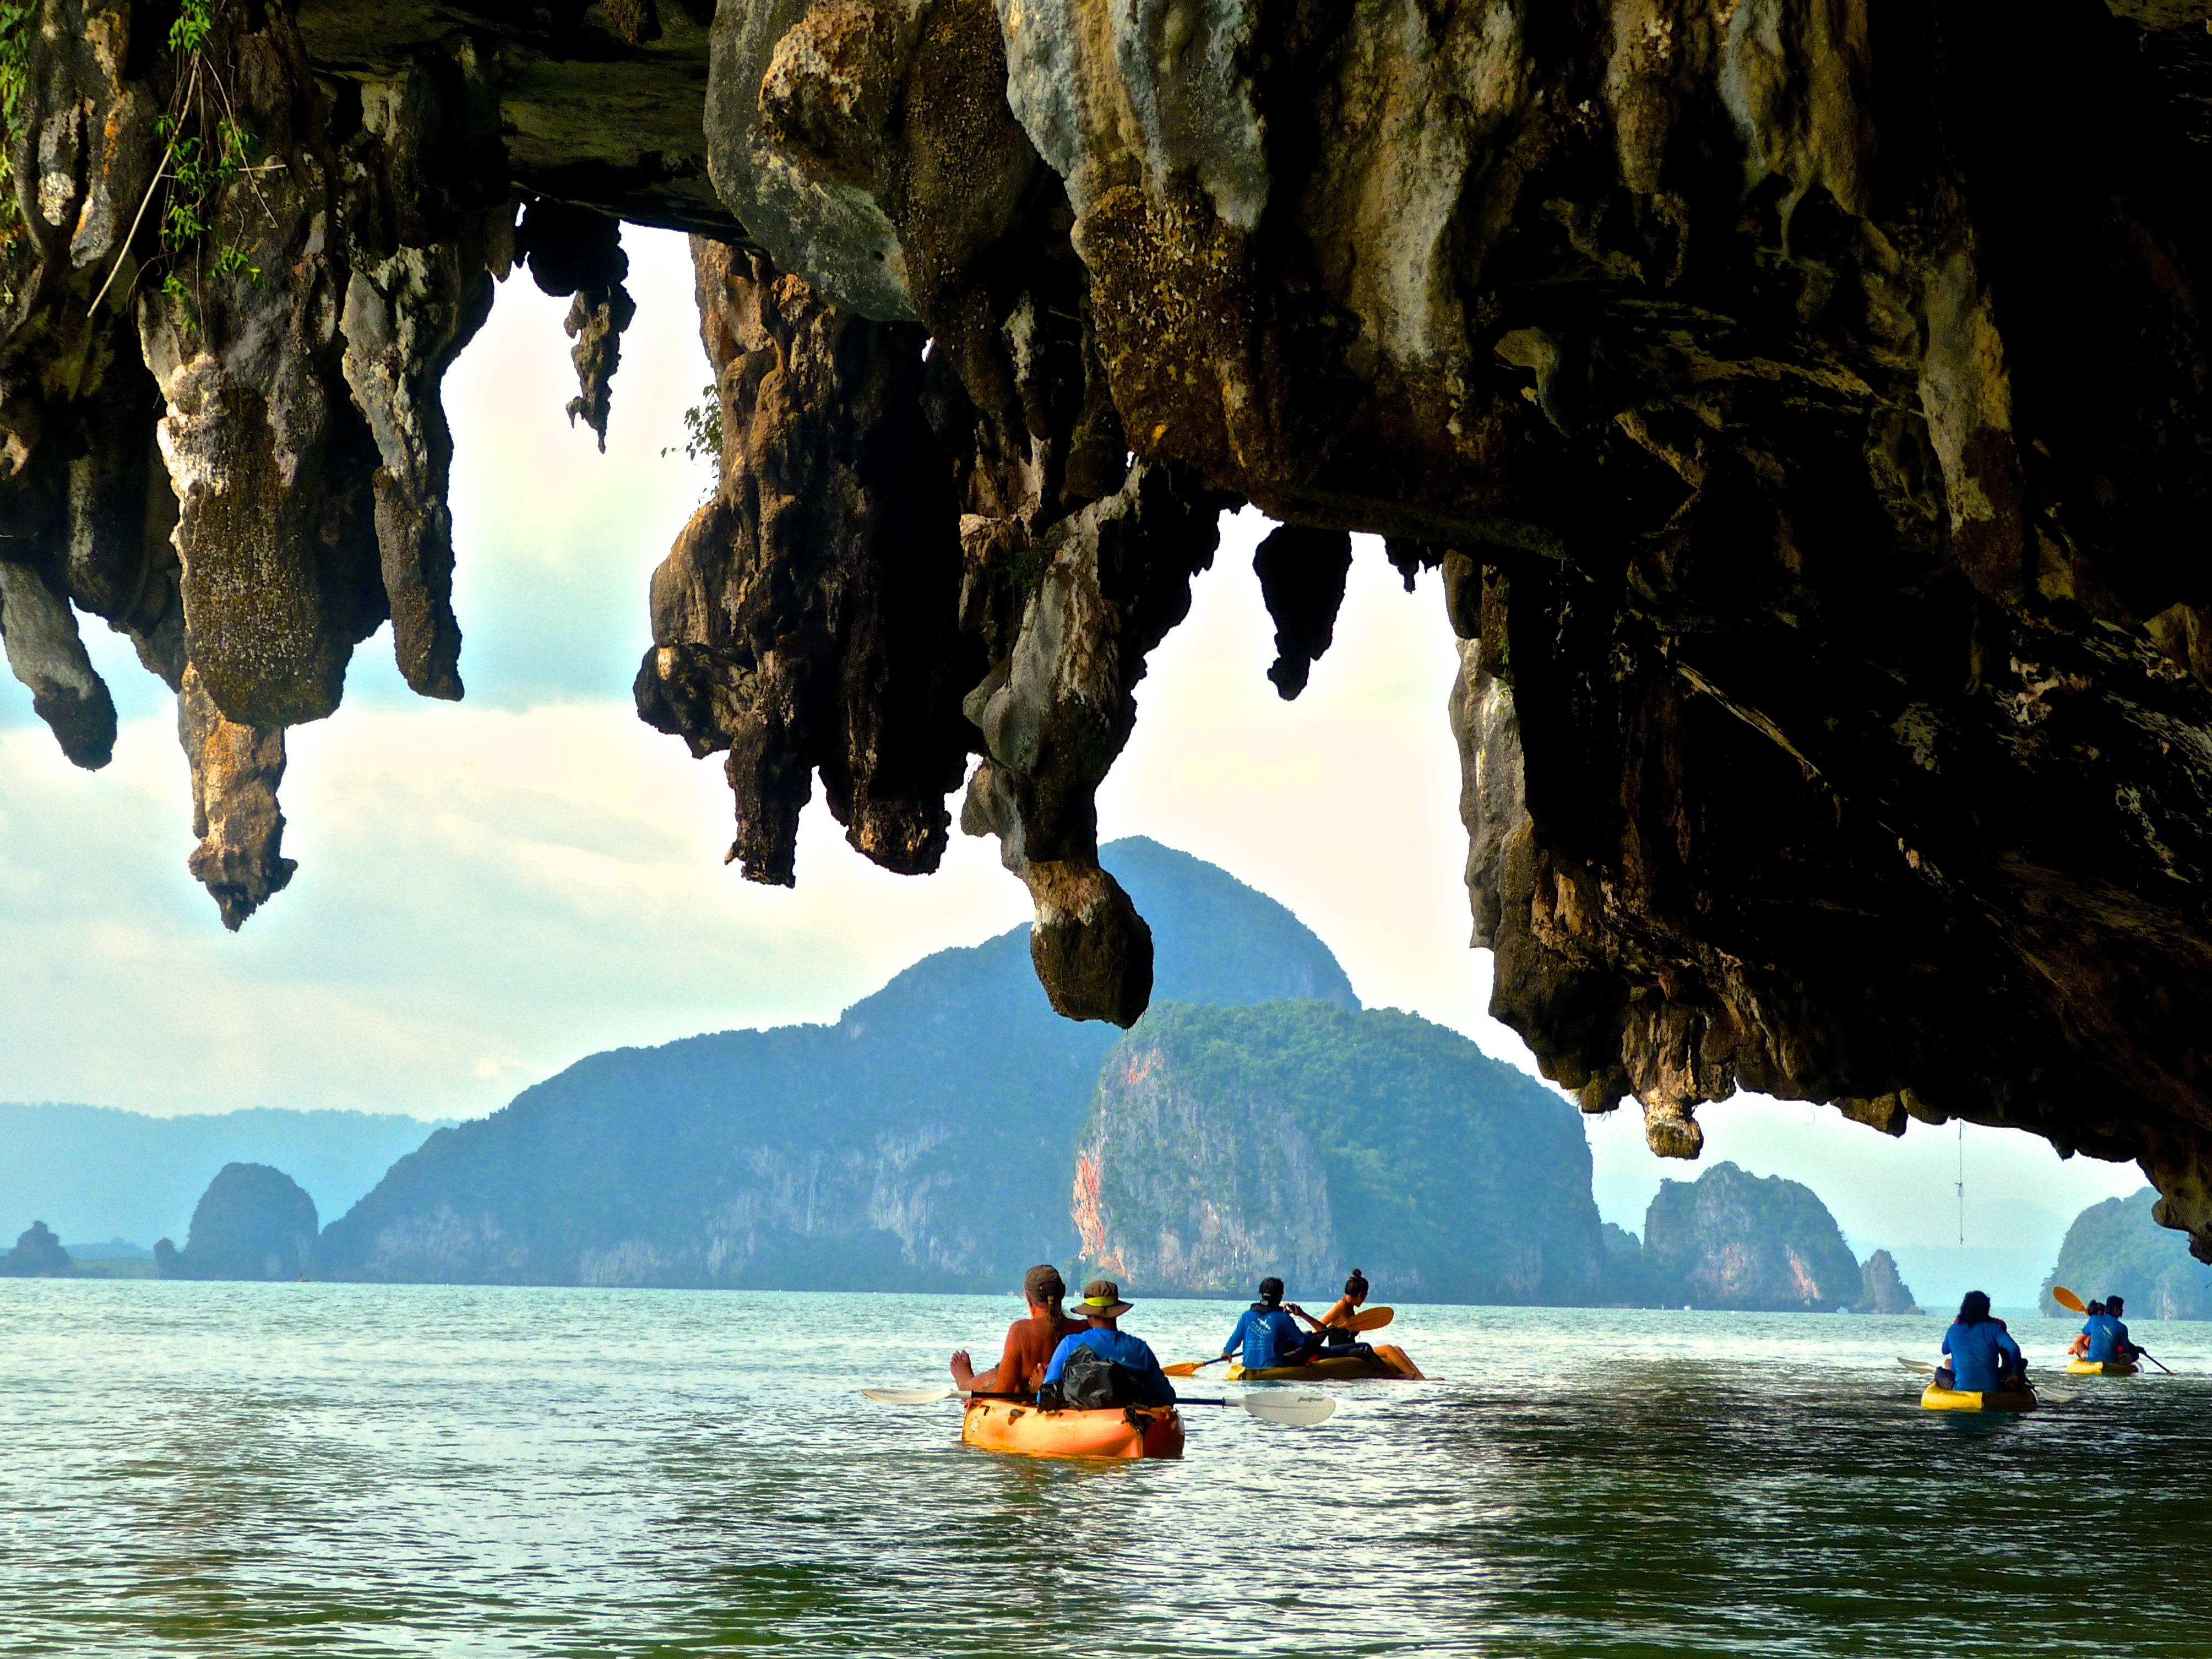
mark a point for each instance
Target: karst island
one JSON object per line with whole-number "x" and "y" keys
{"x": 1580, "y": 633}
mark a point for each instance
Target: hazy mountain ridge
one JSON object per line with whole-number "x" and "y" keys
{"x": 922, "y": 1141}
{"x": 103, "y": 1172}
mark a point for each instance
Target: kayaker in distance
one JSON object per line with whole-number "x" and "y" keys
{"x": 1979, "y": 1354}
{"x": 1030, "y": 1342}
{"x": 1333, "y": 1328}
{"x": 1267, "y": 1333}
{"x": 2080, "y": 1345}
{"x": 2108, "y": 1338}
{"x": 1102, "y": 1306}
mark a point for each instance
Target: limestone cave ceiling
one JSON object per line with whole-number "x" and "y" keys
{"x": 1805, "y": 401}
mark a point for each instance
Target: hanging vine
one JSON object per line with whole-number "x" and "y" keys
{"x": 205, "y": 149}
{"x": 14, "y": 81}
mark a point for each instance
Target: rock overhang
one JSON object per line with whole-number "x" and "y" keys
{"x": 1806, "y": 406}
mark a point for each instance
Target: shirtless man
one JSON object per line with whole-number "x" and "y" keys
{"x": 1030, "y": 1341}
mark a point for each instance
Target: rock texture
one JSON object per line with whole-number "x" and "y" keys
{"x": 1733, "y": 1240}
{"x": 253, "y": 1222}
{"x": 1805, "y": 403}
{"x": 1299, "y": 1140}
{"x": 1881, "y": 1288}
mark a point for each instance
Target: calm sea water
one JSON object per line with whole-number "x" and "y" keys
{"x": 348, "y": 1469}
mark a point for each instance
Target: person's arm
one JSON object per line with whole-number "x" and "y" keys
{"x": 1317, "y": 1324}
{"x": 1060, "y": 1359}
{"x": 1006, "y": 1376}
{"x": 2006, "y": 1344}
{"x": 1235, "y": 1342}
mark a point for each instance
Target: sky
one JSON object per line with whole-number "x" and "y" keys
{"x": 487, "y": 891}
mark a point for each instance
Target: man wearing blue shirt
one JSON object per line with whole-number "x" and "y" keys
{"x": 1267, "y": 1336}
{"x": 1102, "y": 1305}
{"x": 2108, "y": 1338}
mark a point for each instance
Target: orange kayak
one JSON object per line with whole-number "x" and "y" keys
{"x": 1016, "y": 1425}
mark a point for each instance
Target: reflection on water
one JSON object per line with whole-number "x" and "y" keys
{"x": 348, "y": 1469}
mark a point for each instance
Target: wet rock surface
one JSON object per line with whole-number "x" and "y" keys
{"x": 1806, "y": 408}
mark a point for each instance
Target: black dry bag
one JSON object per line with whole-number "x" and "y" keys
{"x": 1089, "y": 1382}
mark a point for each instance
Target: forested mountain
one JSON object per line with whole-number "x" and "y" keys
{"x": 1734, "y": 1240}
{"x": 253, "y": 1222}
{"x": 924, "y": 1141}
{"x": 1302, "y": 1139}
{"x": 2115, "y": 1248}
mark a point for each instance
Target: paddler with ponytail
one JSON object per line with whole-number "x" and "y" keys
{"x": 1335, "y": 1328}
{"x": 1030, "y": 1342}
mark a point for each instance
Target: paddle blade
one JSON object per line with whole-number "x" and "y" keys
{"x": 1920, "y": 1365}
{"x": 1299, "y": 1411}
{"x": 1189, "y": 1367}
{"x": 2066, "y": 1298}
{"x": 908, "y": 1396}
{"x": 1372, "y": 1319}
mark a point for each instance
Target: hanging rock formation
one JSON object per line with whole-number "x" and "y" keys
{"x": 1805, "y": 403}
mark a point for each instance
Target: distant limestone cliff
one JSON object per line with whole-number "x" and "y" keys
{"x": 923, "y": 1142}
{"x": 2116, "y": 1248}
{"x": 1736, "y": 1241}
{"x": 95, "y": 1172}
{"x": 1300, "y": 1138}
{"x": 1882, "y": 1290}
{"x": 253, "y": 1222}
{"x": 37, "y": 1255}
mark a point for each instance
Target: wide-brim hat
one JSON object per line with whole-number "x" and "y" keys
{"x": 1101, "y": 1298}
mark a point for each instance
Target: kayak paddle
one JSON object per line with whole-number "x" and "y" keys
{"x": 1191, "y": 1367}
{"x": 1919, "y": 1365}
{"x": 1300, "y": 1411}
{"x": 908, "y": 1396}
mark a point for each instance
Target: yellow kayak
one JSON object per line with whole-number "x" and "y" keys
{"x": 2099, "y": 1368}
{"x": 1934, "y": 1399}
{"x": 1389, "y": 1362}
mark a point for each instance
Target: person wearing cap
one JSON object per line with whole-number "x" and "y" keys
{"x": 1030, "y": 1341}
{"x": 1102, "y": 1305}
{"x": 1266, "y": 1335}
